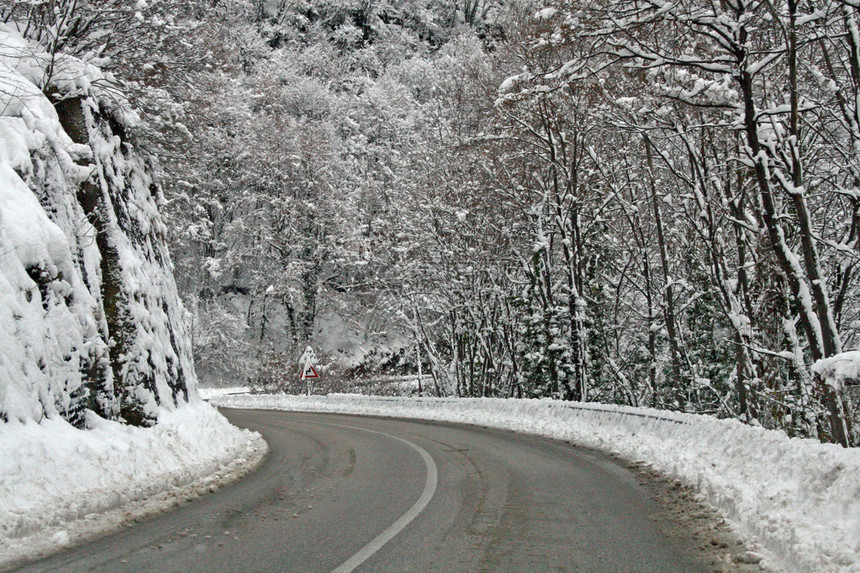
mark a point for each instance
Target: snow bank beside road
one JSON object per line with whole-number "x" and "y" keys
{"x": 798, "y": 498}
{"x": 208, "y": 393}
{"x": 59, "y": 484}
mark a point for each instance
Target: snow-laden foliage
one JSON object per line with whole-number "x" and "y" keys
{"x": 90, "y": 316}
{"x": 656, "y": 209}
{"x": 652, "y": 205}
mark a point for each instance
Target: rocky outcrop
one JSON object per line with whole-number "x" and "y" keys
{"x": 90, "y": 318}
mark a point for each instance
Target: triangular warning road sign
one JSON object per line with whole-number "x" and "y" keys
{"x": 310, "y": 372}
{"x": 308, "y": 356}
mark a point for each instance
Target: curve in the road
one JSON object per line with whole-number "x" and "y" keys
{"x": 429, "y": 489}
{"x": 487, "y": 501}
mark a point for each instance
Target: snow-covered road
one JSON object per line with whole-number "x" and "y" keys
{"x": 798, "y": 498}
{"x": 339, "y": 492}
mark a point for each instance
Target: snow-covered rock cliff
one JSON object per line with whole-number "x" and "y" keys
{"x": 89, "y": 314}
{"x": 91, "y": 330}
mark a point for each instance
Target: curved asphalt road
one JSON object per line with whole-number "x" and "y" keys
{"x": 359, "y": 493}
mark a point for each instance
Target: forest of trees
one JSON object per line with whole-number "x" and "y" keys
{"x": 638, "y": 202}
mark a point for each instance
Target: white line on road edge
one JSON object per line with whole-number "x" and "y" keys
{"x": 429, "y": 490}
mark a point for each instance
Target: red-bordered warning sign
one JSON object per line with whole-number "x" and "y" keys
{"x": 310, "y": 372}
{"x": 307, "y": 361}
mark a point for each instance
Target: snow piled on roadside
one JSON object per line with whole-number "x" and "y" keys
{"x": 59, "y": 484}
{"x": 798, "y": 498}
{"x": 207, "y": 393}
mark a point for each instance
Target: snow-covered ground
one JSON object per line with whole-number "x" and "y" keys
{"x": 60, "y": 485}
{"x": 797, "y": 498}
{"x": 209, "y": 393}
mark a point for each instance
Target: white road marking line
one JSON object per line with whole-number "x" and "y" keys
{"x": 380, "y": 540}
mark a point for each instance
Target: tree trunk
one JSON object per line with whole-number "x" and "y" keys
{"x": 669, "y": 309}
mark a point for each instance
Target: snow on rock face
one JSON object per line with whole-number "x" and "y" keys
{"x": 90, "y": 321}
{"x": 90, "y": 317}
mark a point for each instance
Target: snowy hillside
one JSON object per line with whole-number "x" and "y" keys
{"x": 92, "y": 344}
{"x": 90, "y": 316}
